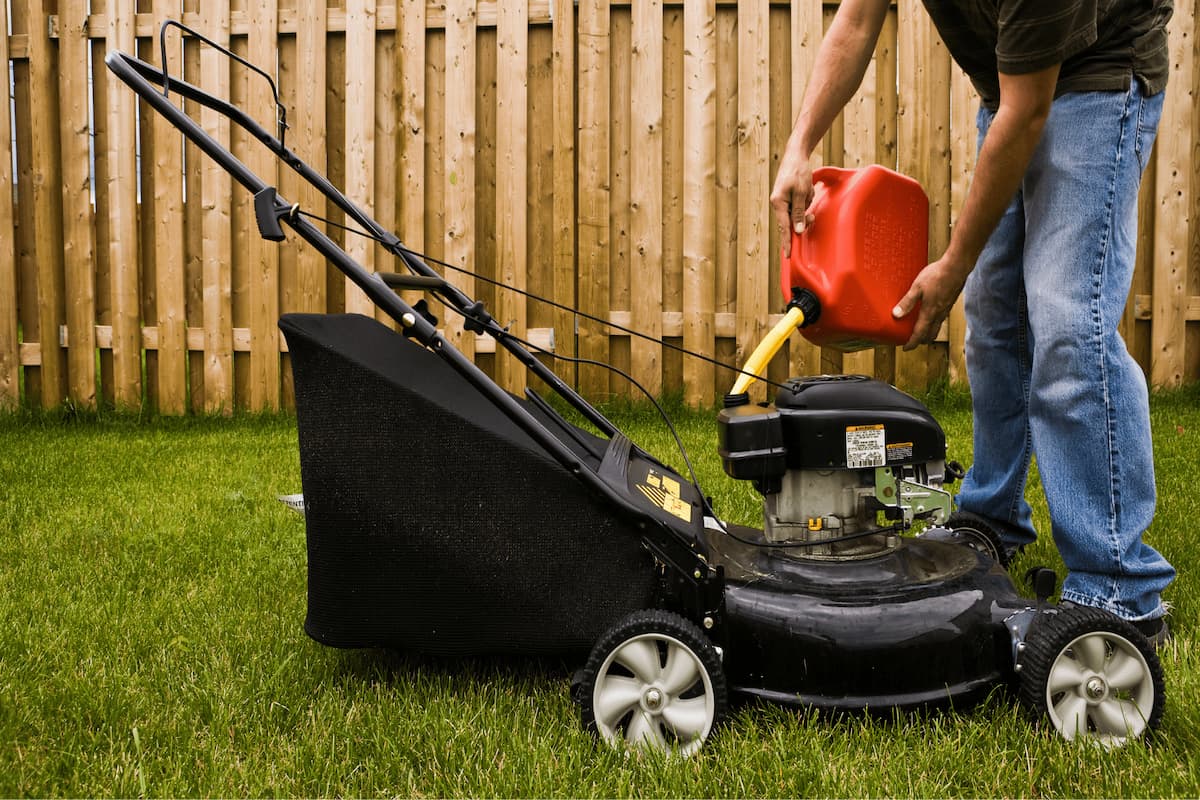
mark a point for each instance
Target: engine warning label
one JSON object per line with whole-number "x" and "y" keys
{"x": 899, "y": 451}
{"x": 865, "y": 446}
{"x": 664, "y": 493}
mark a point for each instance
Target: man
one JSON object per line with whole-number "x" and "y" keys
{"x": 1044, "y": 247}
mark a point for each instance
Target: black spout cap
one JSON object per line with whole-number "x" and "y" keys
{"x": 739, "y": 399}
{"x": 807, "y": 302}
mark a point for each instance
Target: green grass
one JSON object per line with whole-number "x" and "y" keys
{"x": 152, "y": 593}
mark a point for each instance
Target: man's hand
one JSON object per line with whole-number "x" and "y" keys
{"x": 935, "y": 289}
{"x": 791, "y": 196}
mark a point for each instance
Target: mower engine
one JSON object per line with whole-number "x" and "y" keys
{"x": 844, "y": 464}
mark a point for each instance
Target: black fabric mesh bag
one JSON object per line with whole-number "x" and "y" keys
{"x": 434, "y": 523}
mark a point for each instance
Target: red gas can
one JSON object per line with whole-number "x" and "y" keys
{"x": 869, "y": 238}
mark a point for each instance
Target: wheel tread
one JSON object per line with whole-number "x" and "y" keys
{"x": 1051, "y": 632}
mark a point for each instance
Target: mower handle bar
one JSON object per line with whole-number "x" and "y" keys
{"x": 142, "y": 78}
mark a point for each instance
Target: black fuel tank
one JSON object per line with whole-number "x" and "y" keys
{"x": 828, "y": 422}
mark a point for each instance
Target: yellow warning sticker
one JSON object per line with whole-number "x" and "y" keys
{"x": 663, "y": 491}
{"x": 670, "y": 503}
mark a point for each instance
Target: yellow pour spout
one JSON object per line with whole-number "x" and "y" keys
{"x": 767, "y": 349}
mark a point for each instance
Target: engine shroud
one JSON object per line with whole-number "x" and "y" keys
{"x": 827, "y": 422}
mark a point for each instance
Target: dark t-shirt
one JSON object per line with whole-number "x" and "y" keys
{"x": 1101, "y": 44}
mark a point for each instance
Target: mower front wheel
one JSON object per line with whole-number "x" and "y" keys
{"x": 1092, "y": 675}
{"x": 653, "y": 682}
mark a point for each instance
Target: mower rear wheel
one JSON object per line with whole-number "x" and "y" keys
{"x": 1093, "y": 675}
{"x": 977, "y": 533}
{"x": 653, "y": 682}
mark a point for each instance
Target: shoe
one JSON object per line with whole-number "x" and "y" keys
{"x": 1156, "y": 631}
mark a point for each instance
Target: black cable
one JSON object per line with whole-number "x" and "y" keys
{"x": 704, "y": 499}
{"x": 552, "y": 303}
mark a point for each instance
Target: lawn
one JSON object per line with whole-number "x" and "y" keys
{"x": 152, "y": 594}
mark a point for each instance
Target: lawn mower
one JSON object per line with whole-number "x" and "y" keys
{"x": 446, "y": 516}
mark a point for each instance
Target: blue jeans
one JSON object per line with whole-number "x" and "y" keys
{"x": 1050, "y": 376}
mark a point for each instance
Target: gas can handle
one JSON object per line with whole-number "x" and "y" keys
{"x": 820, "y": 192}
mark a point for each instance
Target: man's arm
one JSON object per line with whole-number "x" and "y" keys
{"x": 841, "y": 63}
{"x": 1007, "y": 149}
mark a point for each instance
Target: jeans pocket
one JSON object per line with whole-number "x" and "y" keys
{"x": 1148, "y": 115}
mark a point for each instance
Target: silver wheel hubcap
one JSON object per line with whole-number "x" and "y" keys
{"x": 653, "y": 693}
{"x": 1101, "y": 688}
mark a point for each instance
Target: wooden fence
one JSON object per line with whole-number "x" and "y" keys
{"x": 615, "y": 157}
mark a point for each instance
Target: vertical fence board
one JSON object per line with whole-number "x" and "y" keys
{"x": 807, "y": 26}
{"x": 385, "y": 162}
{"x": 672, "y": 200}
{"x": 216, "y": 255}
{"x": 924, "y": 154}
{"x": 335, "y": 155}
{"x": 539, "y": 222}
{"x": 100, "y": 184}
{"x": 10, "y": 362}
{"x": 1173, "y": 220}
{"x": 753, "y": 174}
{"x": 646, "y": 193}
{"x": 699, "y": 196}
{"x": 886, "y": 103}
{"x": 27, "y": 265}
{"x": 725, "y": 264}
{"x": 565, "y": 230}
{"x": 147, "y": 126}
{"x": 310, "y": 133}
{"x": 263, "y": 255}
{"x": 619, "y": 211}
{"x": 168, "y": 253}
{"x": 292, "y": 86}
{"x": 193, "y": 212}
{"x": 593, "y": 234}
{"x": 435, "y": 145}
{"x": 512, "y": 180}
{"x": 483, "y": 255}
{"x": 241, "y": 209}
{"x": 47, "y": 204}
{"x": 359, "y": 114}
{"x": 122, "y": 198}
{"x": 779, "y": 129}
{"x": 964, "y": 104}
{"x": 459, "y": 178}
{"x": 78, "y": 237}
{"x": 412, "y": 126}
